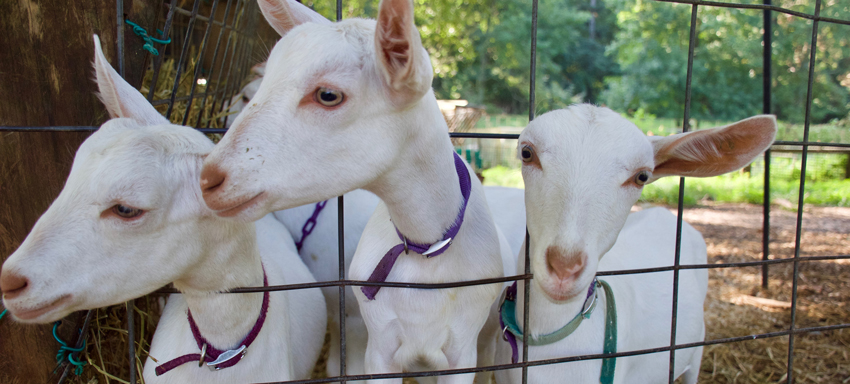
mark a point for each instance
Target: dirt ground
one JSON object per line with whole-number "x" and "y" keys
{"x": 738, "y": 306}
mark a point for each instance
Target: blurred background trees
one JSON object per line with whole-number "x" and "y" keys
{"x": 630, "y": 55}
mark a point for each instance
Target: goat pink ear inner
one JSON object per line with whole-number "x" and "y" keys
{"x": 401, "y": 58}
{"x": 393, "y": 40}
{"x": 714, "y": 151}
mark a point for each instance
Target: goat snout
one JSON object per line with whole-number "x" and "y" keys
{"x": 212, "y": 177}
{"x": 12, "y": 284}
{"x": 565, "y": 264}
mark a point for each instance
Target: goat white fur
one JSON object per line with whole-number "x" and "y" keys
{"x": 584, "y": 167}
{"x": 81, "y": 254}
{"x": 385, "y": 135}
{"x": 320, "y": 251}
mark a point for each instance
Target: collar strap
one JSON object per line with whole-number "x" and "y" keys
{"x": 382, "y": 270}
{"x": 512, "y": 332}
{"x": 215, "y": 358}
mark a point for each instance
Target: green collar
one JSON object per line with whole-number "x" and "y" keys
{"x": 509, "y": 322}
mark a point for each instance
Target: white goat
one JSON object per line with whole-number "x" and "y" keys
{"x": 584, "y": 167}
{"x": 320, "y": 252}
{"x": 131, "y": 219}
{"x": 350, "y": 106}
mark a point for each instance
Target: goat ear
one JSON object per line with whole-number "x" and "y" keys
{"x": 284, "y": 15}
{"x": 715, "y": 151}
{"x": 402, "y": 60}
{"x": 119, "y": 97}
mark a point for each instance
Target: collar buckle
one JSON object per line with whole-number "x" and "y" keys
{"x": 435, "y": 247}
{"x": 226, "y": 356}
{"x": 590, "y": 302}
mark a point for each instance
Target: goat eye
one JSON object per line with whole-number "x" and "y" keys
{"x": 126, "y": 212}
{"x": 642, "y": 177}
{"x": 245, "y": 99}
{"x": 526, "y": 153}
{"x": 329, "y": 97}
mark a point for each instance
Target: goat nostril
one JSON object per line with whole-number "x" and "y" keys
{"x": 565, "y": 264}
{"x": 211, "y": 178}
{"x": 11, "y": 284}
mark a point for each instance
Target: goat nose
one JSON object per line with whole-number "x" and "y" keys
{"x": 212, "y": 177}
{"x": 565, "y": 264}
{"x": 12, "y": 285}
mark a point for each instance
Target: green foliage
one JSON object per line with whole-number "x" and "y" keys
{"x": 481, "y": 49}
{"x": 652, "y": 48}
{"x": 634, "y": 61}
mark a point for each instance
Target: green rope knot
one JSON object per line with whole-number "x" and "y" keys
{"x": 67, "y": 352}
{"x": 149, "y": 40}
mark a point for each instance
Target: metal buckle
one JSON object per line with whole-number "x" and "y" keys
{"x": 203, "y": 355}
{"x": 406, "y": 251}
{"x": 437, "y": 246}
{"x": 227, "y": 356}
{"x": 505, "y": 333}
{"x": 589, "y": 304}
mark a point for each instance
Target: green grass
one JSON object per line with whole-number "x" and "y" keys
{"x": 742, "y": 189}
{"x": 731, "y": 188}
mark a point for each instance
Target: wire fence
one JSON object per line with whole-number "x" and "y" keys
{"x": 225, "y": 37}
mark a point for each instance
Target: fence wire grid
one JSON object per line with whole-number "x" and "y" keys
{"x": 231, "y": 41}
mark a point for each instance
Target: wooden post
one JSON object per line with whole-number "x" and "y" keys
{"x": 46, "y": 58}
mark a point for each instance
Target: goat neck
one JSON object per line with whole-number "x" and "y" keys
{"x": 421, "y": 188}
{"x": 233, "y": 260}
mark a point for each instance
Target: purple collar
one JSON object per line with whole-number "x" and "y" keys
{"x": 214, "y": 358}
{"x": 382, "y": 270}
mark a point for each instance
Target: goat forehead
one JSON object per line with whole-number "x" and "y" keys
{"x": 311, "y": 49}
{"x": 131, "y": 176}
{"x": 584, "y": 136}
{"x": 133, "y": 165}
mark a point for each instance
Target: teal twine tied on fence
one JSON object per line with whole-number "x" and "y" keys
{"x": 149, "y": 40}
{"x": 67, "y": 353}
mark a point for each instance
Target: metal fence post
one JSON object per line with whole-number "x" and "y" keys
{"x": 766, "y": 92}
{"x": 686, "y": 125}
{"x": 802, "y": 193}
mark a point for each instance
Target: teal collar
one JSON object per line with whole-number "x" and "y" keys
{"x": 512, "y": 332}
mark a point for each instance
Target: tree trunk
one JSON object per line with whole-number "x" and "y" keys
{"x": 46, "y": 58}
